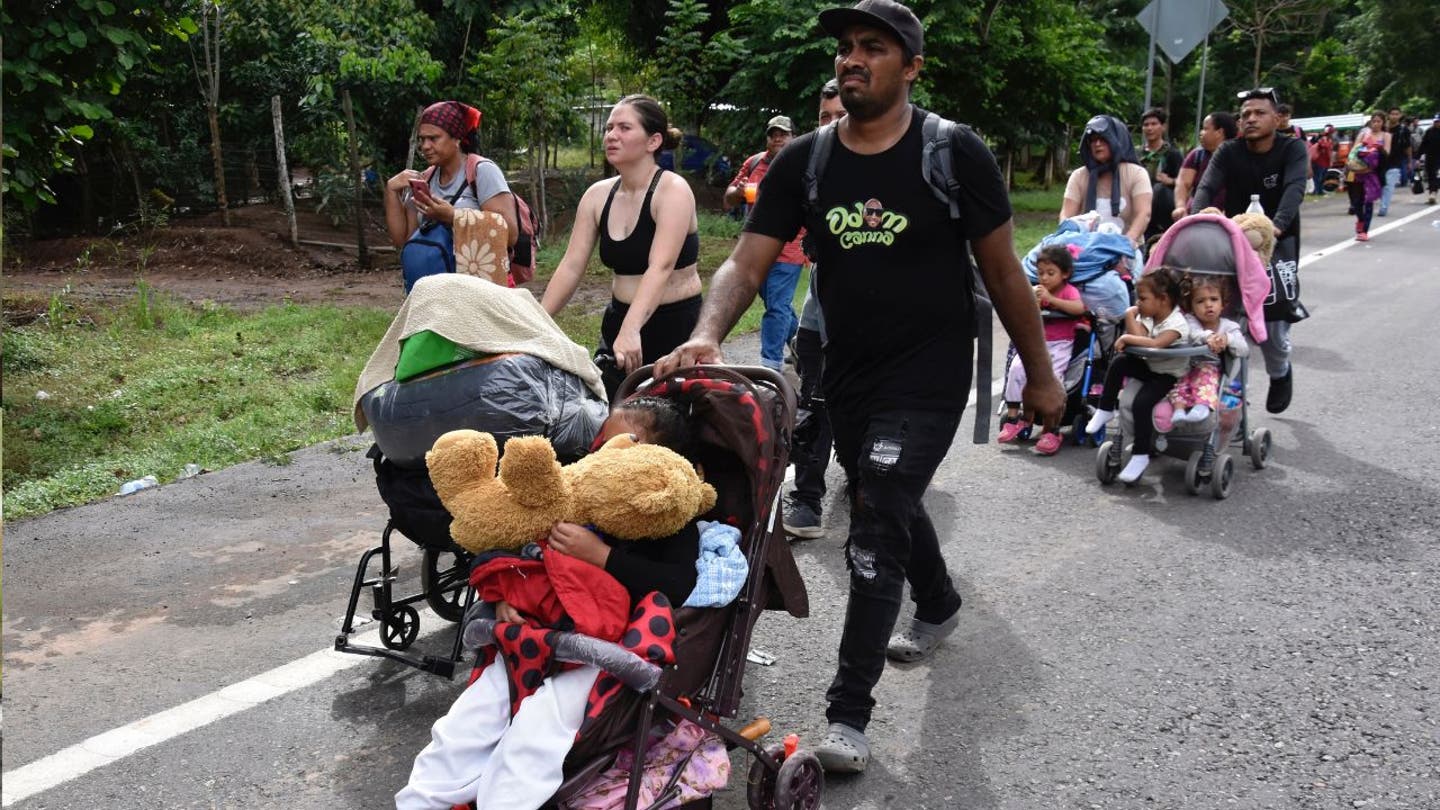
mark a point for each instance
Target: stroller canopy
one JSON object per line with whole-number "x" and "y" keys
{"x": 1213, "y": 244}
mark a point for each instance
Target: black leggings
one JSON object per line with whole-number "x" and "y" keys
{"x": 1153, "y": 388}
{"x": 1363, "y": 210}
{"x": 668, "y": 327}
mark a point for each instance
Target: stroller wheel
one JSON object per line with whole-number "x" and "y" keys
{"x": 1106, "y": 468}
{"x": 444, "y": 578}
{"x": 1193, "y": 476}
{"x": 1259, "y": 448}
{"x": 1220, "y": 477}
{"x": 760, "y": 786}
{"x": 1077, "y": 430}
{"x": 400, "y": 627}
{"x": 800, "y": 782}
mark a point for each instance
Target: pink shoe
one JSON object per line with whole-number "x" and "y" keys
{"x": 1048, "y": 445}
{"x": 1011, "y": 431}
{"x": 1362, "y": 237}
{"x": 1163, "y": 416}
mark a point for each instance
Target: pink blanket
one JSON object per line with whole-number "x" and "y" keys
{"x": 1251, "y": 275}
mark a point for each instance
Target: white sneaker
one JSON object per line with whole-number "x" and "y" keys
{"x": 1099, "y": 420}
{"x": 1134, "y": 469}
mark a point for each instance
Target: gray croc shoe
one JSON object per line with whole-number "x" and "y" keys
{"x": 920, "y": 639}
{"x": 844, "y": 750}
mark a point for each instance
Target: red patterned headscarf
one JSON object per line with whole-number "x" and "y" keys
{"x": 458, "y": 120}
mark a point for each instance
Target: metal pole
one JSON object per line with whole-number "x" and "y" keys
{"x": 1200, "y": 100}
{"x": 1150, "y": 65}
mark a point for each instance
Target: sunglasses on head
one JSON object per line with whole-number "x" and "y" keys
{"x": 1098, "y": 124}
{"x": 1259, "y": 92}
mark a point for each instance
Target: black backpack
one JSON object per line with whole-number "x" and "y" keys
{"x": 937, "y": 166}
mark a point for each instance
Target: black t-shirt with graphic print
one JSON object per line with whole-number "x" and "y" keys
{"x": 893, "y": 275}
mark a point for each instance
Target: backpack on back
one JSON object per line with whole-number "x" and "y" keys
{"x": 431, "y": 249}
{"x": 937, "y": 166}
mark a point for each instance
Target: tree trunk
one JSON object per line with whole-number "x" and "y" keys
{"x": 252, "y": 179}
{"x": 414, "y": 137}
{"x": 282, "y": 170}
{"x": 355, "y": 177}
{"x": 142, "y": 205}
{"x": 215, "y": 156}
{"x": 87, "y": 192}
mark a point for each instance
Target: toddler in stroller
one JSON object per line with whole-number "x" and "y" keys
{"x": 1060, "y": 306}
{"x": 1225, "y": 276}
{"x": 480, "y": 755}
{"x": 1155, "y": 322}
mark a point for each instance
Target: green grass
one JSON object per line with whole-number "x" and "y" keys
{"x": 152, "y": 385}
{"x": 1038, "y": 201}
{"x": 148, "y": 385}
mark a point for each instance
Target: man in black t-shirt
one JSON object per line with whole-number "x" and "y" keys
{"x": 1393, "y": 167}
{"x": 1263, "y": 162}
{"x": 1162, "y": 160}
{"x": 894, "y": 282}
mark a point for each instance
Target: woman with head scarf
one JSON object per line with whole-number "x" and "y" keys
{"x": 1112, "y": 182}
{"x": 447, "y": 136}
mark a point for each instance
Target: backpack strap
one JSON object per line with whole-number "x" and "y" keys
{"x": 937, "y": 161}
{"x": 819, "y": 157}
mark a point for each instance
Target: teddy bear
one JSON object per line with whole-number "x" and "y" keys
{"x": 626, "y": 490}
{"x": 1258, "y": 229}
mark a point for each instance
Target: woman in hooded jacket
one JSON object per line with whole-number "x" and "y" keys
{"x": 1112, "y": 182}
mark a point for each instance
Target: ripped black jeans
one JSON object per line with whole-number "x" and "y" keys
{"x": 889, "y": 458}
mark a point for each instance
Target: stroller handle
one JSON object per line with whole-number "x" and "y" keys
{"x": 1161, "y": 354}
{"x": 742, "y": 374}
{"x": 576, "y": 648}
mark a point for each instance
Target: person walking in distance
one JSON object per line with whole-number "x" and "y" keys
{"x": 1430, "y": 150}
{"x": 780, "y": 321}
{"x": 1395, "y": 160}
{"x": 1322, "y": 154}
{"x": 1162, "y": 160}
{"x": 1272, "y": 168}
{"x": 812, "y": 433}
{"x": 896, "y": 288}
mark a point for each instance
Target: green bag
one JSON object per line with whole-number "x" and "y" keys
{"x": 426, "y": 351}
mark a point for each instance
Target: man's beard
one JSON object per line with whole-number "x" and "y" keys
{"x": 865, "y": 107}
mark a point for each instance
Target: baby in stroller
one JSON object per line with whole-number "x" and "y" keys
{"x": 1060, "y": 305}
{"x": 1155, "y": 322}
{"x": 477, "y": 745}
{"x": 1197, "y": 394}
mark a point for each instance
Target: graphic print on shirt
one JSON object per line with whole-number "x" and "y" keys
{"x": 865, "y": 223}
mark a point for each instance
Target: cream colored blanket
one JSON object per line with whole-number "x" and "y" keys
{"x": 482, "y": 317}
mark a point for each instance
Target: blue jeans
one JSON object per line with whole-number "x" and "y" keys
{"x": 780, "y": 320}
{"x": 1319, "y": 169}
{"x": 1392, "y": 179}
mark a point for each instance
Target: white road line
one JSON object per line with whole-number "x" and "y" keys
{"x": 1349, "y": 243}
{"x": 112, "y": 746}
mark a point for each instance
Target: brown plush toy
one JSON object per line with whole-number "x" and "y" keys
{"x": 1257, "y": 228}
{"x": 625, "y": 490}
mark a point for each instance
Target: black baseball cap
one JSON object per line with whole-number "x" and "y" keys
{"x": 885, "y": 14}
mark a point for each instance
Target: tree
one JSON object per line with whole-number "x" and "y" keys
{"x": 695, "y": 66}
{"x": 65, "y": 65}
{"x": 209, "y": 81}
{"x": 1391, "y": 41}
{"x": 1328, "y": 80}
{"x": 1264, "y": 21}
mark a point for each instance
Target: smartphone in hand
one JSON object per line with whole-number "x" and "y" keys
{"x": 419, "y": 188}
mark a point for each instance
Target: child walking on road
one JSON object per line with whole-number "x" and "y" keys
{"x": 1155, "y": 322}
{"x": 1061, "y": 307}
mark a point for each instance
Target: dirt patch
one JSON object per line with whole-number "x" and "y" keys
{"x": 248, "y": 265}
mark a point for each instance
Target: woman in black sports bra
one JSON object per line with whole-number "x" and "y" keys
{"x": 655, "y": 295}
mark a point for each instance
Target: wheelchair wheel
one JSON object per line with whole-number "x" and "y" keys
{"x": 1221, "y": 475}
{"x": 400, "y": 627}
{"x": 444, "y": 577}
{"x": 800, "y": 782}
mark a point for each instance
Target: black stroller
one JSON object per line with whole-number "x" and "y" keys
{"x": 744, "y": 417}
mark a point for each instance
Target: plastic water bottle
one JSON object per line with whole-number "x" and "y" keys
{"x": 1231, "y": 398}
{"x": 1255, "y": 207}
{"x": 138, "y": 484}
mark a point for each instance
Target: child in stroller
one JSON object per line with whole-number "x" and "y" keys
{"x": 477, "y": 745}
{"x": 1197, "y": 394}
{"x": 1232, "y": 254}
{"x": 1060, "y": 306}
{"x": 741, "y": 420}
{"x": 1155, "y": 322}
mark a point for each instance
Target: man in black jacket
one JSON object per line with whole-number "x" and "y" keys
{"x": 1273, "y": 168}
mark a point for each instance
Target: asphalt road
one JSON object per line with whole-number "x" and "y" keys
{"x": 1121, "y": 647}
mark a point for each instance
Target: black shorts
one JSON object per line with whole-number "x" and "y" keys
{"x": 668, "y": 327}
